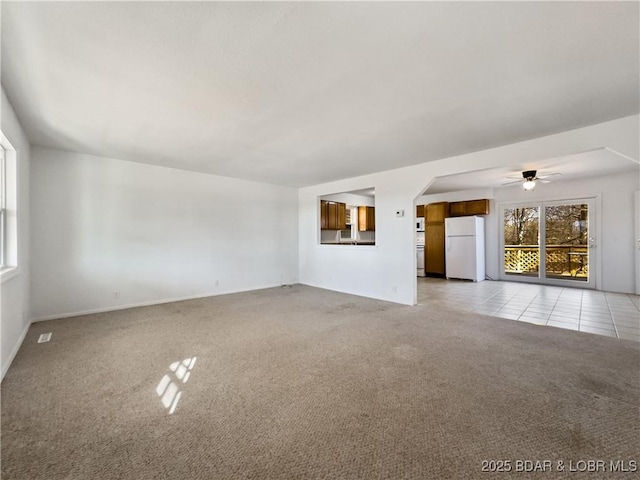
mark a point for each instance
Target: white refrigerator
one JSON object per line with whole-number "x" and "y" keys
{"x": 464, "y": 248}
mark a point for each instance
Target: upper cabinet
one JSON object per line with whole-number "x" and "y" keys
{"x": 469, "y": 207}
{"x": 457, "y": 209}
{"x": 436, "y": 212}
{"x": 420, "y": 211}
{"x": 366, "y": 219}
{"x": 324, "y": 217}
{"x": 332, "y": 215}
{"x": 478, "y": 207}
{"x": 342, "y": 216}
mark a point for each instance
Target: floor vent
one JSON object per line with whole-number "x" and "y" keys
{"x": 44, "y": 337}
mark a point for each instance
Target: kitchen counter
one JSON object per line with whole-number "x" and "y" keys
{"x": 350, "y": 242}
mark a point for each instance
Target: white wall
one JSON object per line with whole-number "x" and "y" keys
{"x": 387, "y": 271}
{"x": 351, "y": 199}
{"x": 614, "y": 218}
{"x": 14, "y": 292}
{"x": 475, "y": 194}
{"x": 151, "y": 233}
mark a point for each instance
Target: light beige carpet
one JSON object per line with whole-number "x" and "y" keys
{"x": 301, "y": 383}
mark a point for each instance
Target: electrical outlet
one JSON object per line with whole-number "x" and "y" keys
{"x": 116, "y": 294}
{"x": 394, "y": 289}
{"x": 217, "y": 283}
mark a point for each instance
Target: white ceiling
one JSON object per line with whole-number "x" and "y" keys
{"x": 365, "y": 192}
{"x": 304, "y": 93}
{"x": 598, "y": 162}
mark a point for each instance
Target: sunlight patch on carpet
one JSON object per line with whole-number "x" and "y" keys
{"x": 169, "y": 387}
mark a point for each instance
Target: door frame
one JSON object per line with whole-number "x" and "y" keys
{"x": 636, "y": 242}
{"x": 595, "y": 257}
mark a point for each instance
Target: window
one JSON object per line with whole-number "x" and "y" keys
{"x": 8, "y": 210}
{"x": 3, "y": 208}
{"x": 350, "y": 230}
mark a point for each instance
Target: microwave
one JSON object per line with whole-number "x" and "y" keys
{"x": 420, "y": 224}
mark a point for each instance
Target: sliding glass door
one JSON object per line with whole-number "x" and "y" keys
{"x": 549, "y": 242}
{"x": 567, "y": 241}
{"x": 521, "y": 241}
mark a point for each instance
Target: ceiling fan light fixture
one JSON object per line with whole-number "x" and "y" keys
{"x": 529, "y": 179}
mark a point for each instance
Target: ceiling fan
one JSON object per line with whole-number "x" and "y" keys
{"x": 529, "y": 179}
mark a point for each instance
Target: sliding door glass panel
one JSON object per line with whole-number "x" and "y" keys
{"x": 567, "y": 241}
{"x": 522, "y": 241}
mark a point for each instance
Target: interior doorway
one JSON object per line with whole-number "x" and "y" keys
{"x": 549, "y": 242}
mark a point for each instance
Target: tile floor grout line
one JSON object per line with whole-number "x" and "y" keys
{"x": 528, "y": 305}
{"x": 499, "y": 291}
{"x": 613, "y": 320}
{"x": 502, "y": 289}
{"x": 580, "y": 315}
{"x": 634, "y": 303}
{"x": 554, "y": 308}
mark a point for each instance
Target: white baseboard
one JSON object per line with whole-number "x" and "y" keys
{"x": 357, "y": 294}
{"x": 14, "y": 352}
{"x": 149, "y": 303}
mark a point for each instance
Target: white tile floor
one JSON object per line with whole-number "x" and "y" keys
{"x": 603, "y": 313}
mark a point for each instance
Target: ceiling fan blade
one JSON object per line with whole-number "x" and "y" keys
{"x": 550, "y": 175}
{"x": 512, "y": 183}
{"x": 541, "y": 180}
{"x": 519, "y": 177}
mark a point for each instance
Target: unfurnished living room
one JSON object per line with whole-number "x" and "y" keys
{"x": 304, "y": 240}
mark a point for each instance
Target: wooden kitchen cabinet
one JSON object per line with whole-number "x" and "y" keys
{"x": 457, "y": 209}
{"x": 332, "y": 215}
{"x": 434, "y": 234}
{"x": 436, "y": 212}
{"x": 478, "y": 207}
{"x": 367, "y": 219}
{"x": 434, "y": 255}
{"x": 324, "y": 216}
{"x": 420, "y": 211}
{"x": 469, "y": 207}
